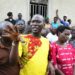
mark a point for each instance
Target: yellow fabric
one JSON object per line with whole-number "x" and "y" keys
{"x": 20, "y": 50}
{"x": 37, "y": 65}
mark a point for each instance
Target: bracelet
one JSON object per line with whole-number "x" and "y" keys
{"x": 13, "y": 44}
{"x": 0, "y": 37}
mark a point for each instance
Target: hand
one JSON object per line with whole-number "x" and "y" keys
{"x": 51, "y": 68}
{"x": 52, "y": 71}
{"x": 59, "y": 72}
{"x": 11, "y": 32}
{"x": 57, "y": 12}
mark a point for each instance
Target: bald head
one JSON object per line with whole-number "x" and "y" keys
{"x": 38, "y": 17}
{"x": 37, "y": 23}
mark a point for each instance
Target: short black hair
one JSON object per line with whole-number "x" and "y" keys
{"x": 69, "y": 20}
{"x": 9, "y": 14}
{"x": 55, "y": 17}
{"x": 65, "y": 16}
{"x": 62, "y": 28}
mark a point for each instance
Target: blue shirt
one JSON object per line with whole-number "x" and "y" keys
{"x": 18, "y": 21}
{"x": 64, "y": 23}
{"x": 55, "y": 25}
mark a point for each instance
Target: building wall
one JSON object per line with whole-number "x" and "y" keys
{"x": 16, "y": 6}
{"x": 40, "y": 1}
{"x": 65, "y": 7}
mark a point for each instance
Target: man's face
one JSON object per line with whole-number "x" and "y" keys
{"x": 54, "y": 30}
{"x": 36, "y": 24}
{"x": 65, "y": 17}
{"x": 10, "y": 17}
{"x": 55, "y": 19}
{"x": 19, "y": 16}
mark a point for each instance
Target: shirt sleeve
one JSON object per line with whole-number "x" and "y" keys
{"x": 61, "y": 21}
{"x": 53, "y": 54}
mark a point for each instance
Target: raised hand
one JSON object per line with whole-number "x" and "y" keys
{"x": 11, "y": 32}
{"x": 57, "y": 12}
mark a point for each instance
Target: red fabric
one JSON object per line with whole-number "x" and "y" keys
{"x": 33, "y": 45}
{"x": 63, "y": 57}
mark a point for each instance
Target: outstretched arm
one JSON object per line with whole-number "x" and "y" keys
{"x": 57, "y": 15}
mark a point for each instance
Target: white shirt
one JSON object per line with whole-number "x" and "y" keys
{"x": 51, "y": 37}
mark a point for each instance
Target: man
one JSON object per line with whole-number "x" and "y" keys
{"x": 64, "y": 21}
{"x": 69, "y": 21}
{"x": 20, "y": 23}
{"x": 55, "y": 23}
{"x": 10, "y": 18}
{"x": 33, "y": 50}
{"x": 20, "y": 20}
{"x": 51, "y": 36}
{"x": 8, "y": 46}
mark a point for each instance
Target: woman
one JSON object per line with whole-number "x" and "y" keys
{"x": 62, "y": 53}
{"x": 8, "y": 45}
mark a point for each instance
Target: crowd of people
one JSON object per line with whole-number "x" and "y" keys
{"x": 38, "y": 47}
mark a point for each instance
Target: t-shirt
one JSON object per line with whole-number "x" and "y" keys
{"x": 18, "y": 22}
{"x": 55, "y": 25}
{"x": 33, "y": 54}
{"x": 63, "y": 57}
{"x": 51, "y": 37}
{"x": 65, "y": 23}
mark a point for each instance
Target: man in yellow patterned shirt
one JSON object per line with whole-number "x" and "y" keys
{"x": 33, "y": 50}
